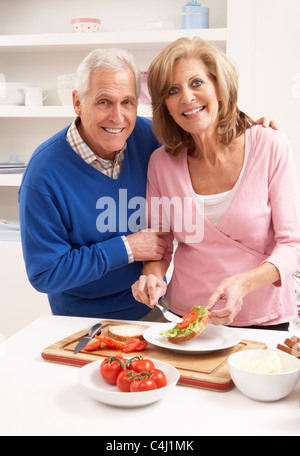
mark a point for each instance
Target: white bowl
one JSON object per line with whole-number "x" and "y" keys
{"x": 66, "y": 81}
{"x": 65, "y": 96}
{"x": 95, "y": 386}
{"x": 265, "y": 387}
{"x": 86, "y": 24}
{"x": 11, "y": 93}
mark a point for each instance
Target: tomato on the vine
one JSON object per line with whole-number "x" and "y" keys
{"x": 110, "y": 368}
{"x": 142, "y": 384}
{"x": 159, "y": 377}
{"x": 124, "y": 380}
{"x": 141, "y": 364}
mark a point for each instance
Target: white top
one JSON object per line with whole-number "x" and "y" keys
{"x": 215, "y": 206}
{"x": 43, "y": 398}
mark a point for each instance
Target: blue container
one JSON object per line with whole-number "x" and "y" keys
{"x": 195, "y": 16}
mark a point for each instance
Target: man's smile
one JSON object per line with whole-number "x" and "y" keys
{"x": 113, "y": 131}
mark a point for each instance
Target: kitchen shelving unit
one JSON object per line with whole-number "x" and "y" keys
{"x": 141, "y": 40}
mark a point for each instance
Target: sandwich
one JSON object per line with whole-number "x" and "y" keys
{"x": 192, "y": 325}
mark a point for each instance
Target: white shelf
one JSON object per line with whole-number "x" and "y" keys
{"x": 144, "y": 39}
{"x": 10, "y": 180}
{"x": 36, "y": 111}
{"x": 53, "y": 111}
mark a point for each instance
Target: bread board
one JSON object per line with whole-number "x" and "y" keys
{"x": 209, "y": 371}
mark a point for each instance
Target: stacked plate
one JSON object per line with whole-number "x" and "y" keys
{"x": 9, "y": 230}
{"x": 12, "y": 167}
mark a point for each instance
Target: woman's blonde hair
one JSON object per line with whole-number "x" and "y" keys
{"x": 232, "y": 122}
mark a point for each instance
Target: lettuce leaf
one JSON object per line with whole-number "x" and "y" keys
{"x": 174, "y": 332}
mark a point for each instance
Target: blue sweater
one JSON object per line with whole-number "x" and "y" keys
{"x": 65, "y": 207}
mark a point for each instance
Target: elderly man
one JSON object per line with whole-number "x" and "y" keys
{"x": 81, "y": 210}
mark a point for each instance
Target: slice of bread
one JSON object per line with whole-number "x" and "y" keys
{"x": 125, "y": 332}
{"x": 185, "y": 337}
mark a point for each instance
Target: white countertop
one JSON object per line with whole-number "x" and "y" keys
{"x": 43, "y": 398}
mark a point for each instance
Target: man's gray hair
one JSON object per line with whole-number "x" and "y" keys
{"x": 110, "y": 59}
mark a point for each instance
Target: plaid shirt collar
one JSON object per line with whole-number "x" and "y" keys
{"x": 107, "y": 167}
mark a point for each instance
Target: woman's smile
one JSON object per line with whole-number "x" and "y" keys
{"x": 192, "y": 100}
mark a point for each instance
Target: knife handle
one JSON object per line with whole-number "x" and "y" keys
{"x": 96, "y": 329}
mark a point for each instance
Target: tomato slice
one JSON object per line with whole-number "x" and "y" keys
{"x": 93, "y": 345}
{"x": 142, "y": 345}
{"x": 131, "y": 344}
{"x": 188, "y": 319}
{"x": 112, "y": 343}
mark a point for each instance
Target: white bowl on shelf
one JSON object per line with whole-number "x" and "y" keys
{"x": 261, "y": 386}
{"x": 66, "y": 81}
{"x": 86, "y": 25}
{"x": 65, "y": 96}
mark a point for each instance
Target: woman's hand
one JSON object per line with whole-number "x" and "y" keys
{"x": 148, "y": 289}
{"x": 231, "y": 290}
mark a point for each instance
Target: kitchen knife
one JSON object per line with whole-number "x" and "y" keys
{"x": 96, "y": 329}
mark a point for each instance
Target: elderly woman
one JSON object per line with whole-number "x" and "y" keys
{"x": 237, "y": 178}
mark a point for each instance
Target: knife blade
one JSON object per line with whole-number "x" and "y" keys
{"x": 96, "y": 329}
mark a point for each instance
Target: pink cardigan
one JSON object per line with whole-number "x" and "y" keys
{"x": 262, "y": 224}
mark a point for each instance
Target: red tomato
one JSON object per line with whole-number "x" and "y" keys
{"x": 144, "y": 384}
{"x": 188, "y": 319}
{"x": 141, "y": 365}
{"x": 131, "y": 344}
{"x": 110, "y": 368}
{"x": 123, "y": 380}
{"x": 142, "y": 345}
{"x": 112, "y": 343}
{"x": 159, "y": 377}
{"x": 93, "y": 345}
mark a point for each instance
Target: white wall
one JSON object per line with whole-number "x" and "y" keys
{"x": 20, "y": 303}
{"x": 264, "y": 41}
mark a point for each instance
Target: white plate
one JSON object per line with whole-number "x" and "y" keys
{"x": 10, "y": 236}
{"x": 95, "y": 386}
{"x": 12, "y": 165}
{"x": 213, "y": 338}
{"x": 12, "y": 170}
{"x": 9, "y": 224}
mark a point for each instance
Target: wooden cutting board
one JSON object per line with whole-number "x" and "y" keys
{"x": 209, "y": 371}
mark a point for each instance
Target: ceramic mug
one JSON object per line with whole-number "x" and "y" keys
{"x": 34, "y": 96}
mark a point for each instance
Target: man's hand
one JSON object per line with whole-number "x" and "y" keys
{"x": 266, "y": 123}
{"x": 147, "y": 245}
